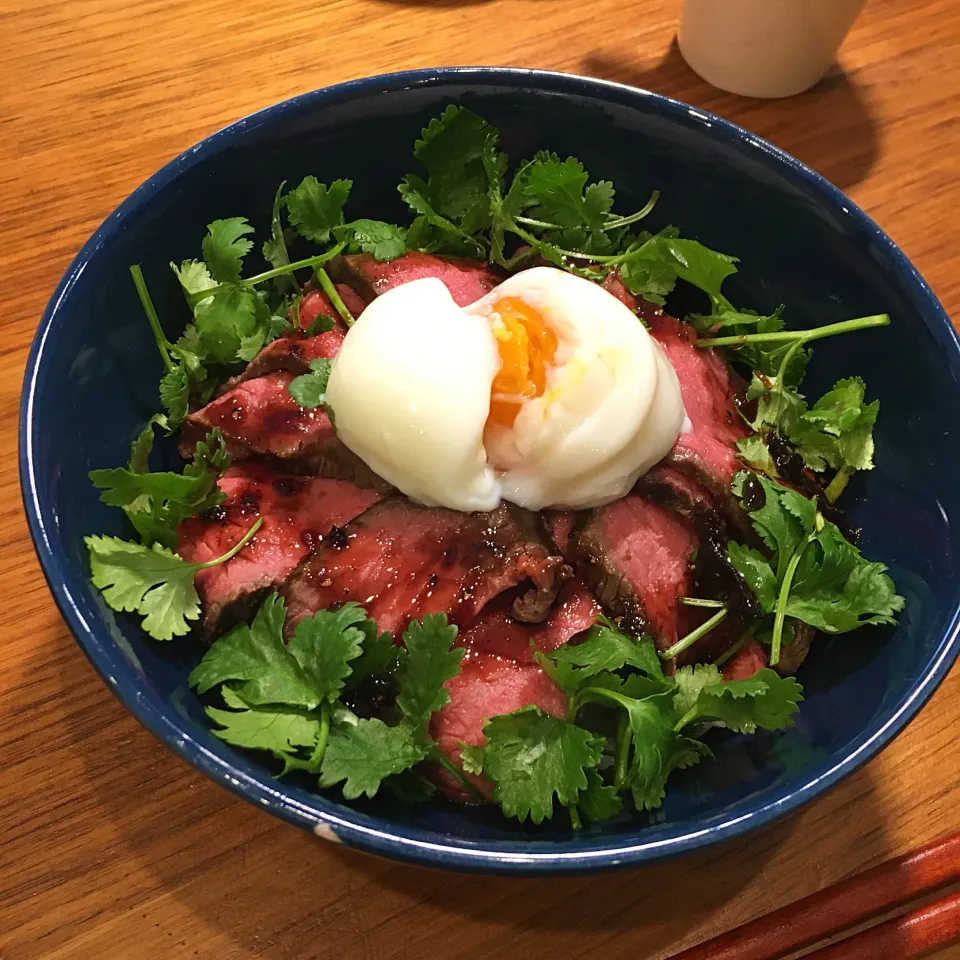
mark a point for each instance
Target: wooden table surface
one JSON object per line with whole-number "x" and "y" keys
{"x": 110, "y": 847}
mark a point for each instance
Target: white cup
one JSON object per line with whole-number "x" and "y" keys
{"x": 764, "y": 48}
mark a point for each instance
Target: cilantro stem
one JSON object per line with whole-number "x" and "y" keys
{"x": 589, "y": 693}
{"x": 782, "y": 597}
{"x": 623, "y": 751}
{"x": 537, "y": 244}
{"x": 838, "y": 484}
{"x": 614, "y": 223}
{"x": 781, "y": 375}
{"x": 727, "y": 654}
{"x": 530, "y": 222}
{"x": 163, "y": 345}
{"x": 321, "y": 748}
{"x": 691, "y": 714}
{"x": 694, "y": 635}
{"x": 235, "y": 549}
{"x": 784, "y": 336}
{"x": 316, "y": 261}
{"x": 644, "y": 211}
{"x": 699, "y": 602}
{"x": 437, "y": 756}
{"x": 290, "y": 267}
{"x": 331, "y": 291}
{"x": 575, "y": 818}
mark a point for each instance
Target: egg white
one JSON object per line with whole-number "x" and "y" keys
{"x": 410, "y": 392}
{"x": 612, "y": 406}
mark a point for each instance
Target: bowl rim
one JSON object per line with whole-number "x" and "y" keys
{"x": 316, "y": 812}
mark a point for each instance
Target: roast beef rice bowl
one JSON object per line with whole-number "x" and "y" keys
{"x": 466, "y": 514}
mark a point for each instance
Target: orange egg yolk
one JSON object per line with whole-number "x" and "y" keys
{"x": 526, "y": 346}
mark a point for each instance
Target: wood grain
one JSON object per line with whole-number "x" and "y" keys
{"x": 110, "y": 848}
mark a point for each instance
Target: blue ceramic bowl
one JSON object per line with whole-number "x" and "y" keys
{"x": 93, "y": 370}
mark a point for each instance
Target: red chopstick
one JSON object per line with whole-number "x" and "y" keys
{"x": 854, "y": 901}
{"x": 912, "y": 935}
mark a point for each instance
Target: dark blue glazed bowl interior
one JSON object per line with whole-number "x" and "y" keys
{"x": 93, "y": 371}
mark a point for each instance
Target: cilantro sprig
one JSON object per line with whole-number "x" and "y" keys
{"x": 288, "y": 698}
{"x": 156, "y": 502}
{"x": 537, "y": 761}
{"x": 152, "y": 581}
{"x": 147, "y": 577}
{"x": 837, "y": 432}
{"x": 815, "y": 575}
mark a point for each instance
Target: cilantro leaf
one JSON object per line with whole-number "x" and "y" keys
{"x": 142, "y": 446}
{"x": 224, "y": 248}
{"x": 194, "y": 277}
{"x": 836, "y": 590}
{"x": 843, "y": 414}
{"x": 765, "y": 700}
{"x": 315, "y": 209}
{"x": 279, "y": 730}
{"x": 837, "y": 432}
{"x": 224, "y": 319}
{"x": 452, "y": 149}
{"x": 257, "y": 657}
{"x": 657, "y": 749}
{"x": 756, "y": 572}
{"x": 754, "y": 452}
{"x": 533, "y": 757}
{"x": 559, "y": 191}
{"x": 603, "y": 649}
{"x": 151, "y": 581}
{"x": 829, "y": 583}
{"x": 699, "y": 265}
{"x": 599, "y": 801}
{"x": 646, "y": 274}
{"x": 471, "y": 758}
{"x": 385, "y": 241}
{"x": 690, "y": 681}
{"x": 275, "y": 248}
{"x": 325, "y": 645}
{"x": 409, "y": 787}
{"x": 785, "y": 518}
{"x": 430, "y": 661}
{"x": 380, "y": 656}
{"x": 652, "y": 268}
{"x": 309, "y": 671}
{"x": 321, "y": 323}
{"x": 189, "y": 350}
{"x": 364, "y": 754}
{"x": 310, "y": 389}
{"x": 156, "y": 502}
{"x": 456, "y": 241}
{"x": 175, "y": 394}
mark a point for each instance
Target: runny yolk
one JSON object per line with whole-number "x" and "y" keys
{"x": 526, "y": 346}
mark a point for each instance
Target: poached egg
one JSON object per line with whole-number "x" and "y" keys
{"x": 547, "y": 392}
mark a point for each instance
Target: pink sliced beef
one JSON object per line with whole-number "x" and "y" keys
{"x": 614, "y": 284}
{"x": 560, "y": 524}
{"x": 467, "y": 280}
{"x": 298, "y": 514}
{"x": 667, "y": 484}
{"x": 291, "y": 354}
{"x": 259, "y": 418}
{"x": 487, "y": 687}
{"x": 401, "y": 561}
{"x": 709, "y": 394}
{"x": 636, "y": 556}
{"x": 496, "y": 633}
{"x": 750, "y": 658}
